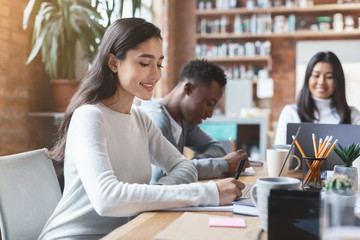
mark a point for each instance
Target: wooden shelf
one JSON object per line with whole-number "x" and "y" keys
{"x": 58, "y": 116}
{"x": 316, "y": 10}
{"x": 283, "y": 9}
{"x": 266, "y": 59}
{"x": 235, "y": 59}
{"x": 296, "y": 34}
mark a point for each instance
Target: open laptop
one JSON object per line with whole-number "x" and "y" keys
{"x": 345, "y": 133}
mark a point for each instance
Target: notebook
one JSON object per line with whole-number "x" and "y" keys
{"x": 246, "y": 191}
{"x": 345, "y": 133}
{"x": 245, "y": 206}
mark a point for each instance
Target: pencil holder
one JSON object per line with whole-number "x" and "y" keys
{"x": 313, "y": 173}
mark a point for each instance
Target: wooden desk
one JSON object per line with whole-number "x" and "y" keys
{"x": 148, "y": 224}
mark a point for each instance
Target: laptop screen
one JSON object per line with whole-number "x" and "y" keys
{"x": 345, "y": 133}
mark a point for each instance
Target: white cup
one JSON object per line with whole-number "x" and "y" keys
{"x": 261, "y": 191}
{"x": 275, "y": 159}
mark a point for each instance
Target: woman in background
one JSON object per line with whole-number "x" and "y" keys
{"x": 322, "y": 98}
{"x": 108, "y": 144}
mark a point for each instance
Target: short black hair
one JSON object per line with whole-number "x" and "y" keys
{"x": 203, "y": 72}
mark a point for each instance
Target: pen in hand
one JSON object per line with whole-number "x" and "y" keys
{"x": 239, "y": 168}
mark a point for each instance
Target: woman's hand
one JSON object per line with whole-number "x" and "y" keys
{"x": 229, "y": 190}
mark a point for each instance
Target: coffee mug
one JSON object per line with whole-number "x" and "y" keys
{"x": 275, "y": 159}
{"x": 261, "y": 191}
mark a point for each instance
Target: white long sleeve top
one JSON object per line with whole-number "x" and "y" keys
{"x": 107, "y": 169}
{"x": 326, "y": 114}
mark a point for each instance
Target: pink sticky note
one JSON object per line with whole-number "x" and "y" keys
{"x": 227, "y": 222}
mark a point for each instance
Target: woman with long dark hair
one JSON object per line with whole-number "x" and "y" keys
{"x": 108, "y": 144}
{"x": 322, "y": 98}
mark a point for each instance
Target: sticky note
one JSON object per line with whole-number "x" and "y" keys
{"x": 227, "y": 222}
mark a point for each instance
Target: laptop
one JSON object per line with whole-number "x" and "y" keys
{"x": 345, "y": 133}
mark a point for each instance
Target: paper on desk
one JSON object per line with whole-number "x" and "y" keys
{"x": 248, "y": 172}
{"x": 227, "y": 208}
{"x": 191, "y": 226}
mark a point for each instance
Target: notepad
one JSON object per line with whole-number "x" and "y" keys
{"x": 227, "y": 222}
{"x": 245, "y": 206}
{"x": 246, "y": 210}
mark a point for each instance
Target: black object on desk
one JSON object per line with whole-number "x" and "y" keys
{"x": 239, "y": 168}
{"x": 293, "y": 215}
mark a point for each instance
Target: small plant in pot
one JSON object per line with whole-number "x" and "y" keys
{"x": 338, "y": 183}
{"x": 348, "y": 155}
{"x": 339, "y": 201}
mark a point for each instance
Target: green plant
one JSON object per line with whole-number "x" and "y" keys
{"x": 348, "y": 154}
{"x": 338, "y": 183}
{"x": 114, "y": 9}
{"x": 57, "y": 27}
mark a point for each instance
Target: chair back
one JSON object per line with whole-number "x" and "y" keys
{"x": 29, "y": 193}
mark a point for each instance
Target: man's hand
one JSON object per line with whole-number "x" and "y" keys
{"x": 233, "y": 159}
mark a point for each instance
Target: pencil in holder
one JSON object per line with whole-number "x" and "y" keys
{"x": 313, "y": 173}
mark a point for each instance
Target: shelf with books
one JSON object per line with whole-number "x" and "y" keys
{"x": 220, "y": 30}
{"x": 238, "y": 59}
{"x": 348, "y": 7}
{"x": 266, "y": 60}
{"x": 295, "y": 34}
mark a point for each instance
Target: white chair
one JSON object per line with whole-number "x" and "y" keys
{"x": 29, "y": 193}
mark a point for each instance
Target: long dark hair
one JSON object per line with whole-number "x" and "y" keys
{"x": 100, "y": 82}
{"x": 306, "y": 105}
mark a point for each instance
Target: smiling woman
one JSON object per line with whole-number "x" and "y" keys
{"x": 322, "y": 98}
{"x": 321, "y": 82}
{"x": 137, "y": 73}
{"x": 108, "y": 145}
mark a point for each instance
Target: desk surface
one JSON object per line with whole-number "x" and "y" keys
{"x": 148, "y": 224}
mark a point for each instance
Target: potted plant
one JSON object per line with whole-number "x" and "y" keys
{"x": 339, "y": 201}
{"x": 57, "y": 28}
{"x": 348, "y": 155}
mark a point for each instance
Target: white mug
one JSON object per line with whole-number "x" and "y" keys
{"x": 275, "y": 159}
{"x": 261, "y": 191}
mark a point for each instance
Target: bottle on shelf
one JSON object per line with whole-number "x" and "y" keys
{"x": 201, "y": 5}
{"x": 279, "y": 24}
{"x": 268, "y": 23}
{"x": 338, "y": 22}
{"x": 292, "y": 23}
{"x": 203, "y": 26}
{"x": 208, "y": 4}
{"x": 250, "y": 4}
{"x": 349, "y": 23}
{"x": 324, "y": 23}
{"x": 224, "y": 24}
{"x": 253, "y": 24}
{"x": 238, "y": 26}
{"x": 232, "y": 3}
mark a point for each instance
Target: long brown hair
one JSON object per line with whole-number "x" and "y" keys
{"x": 306, "y": 105}
{"x": 100, "y": 82}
